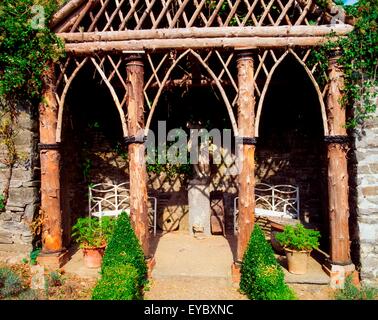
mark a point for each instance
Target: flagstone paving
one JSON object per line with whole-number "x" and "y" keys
{"x": 188, "y": 268}
{"x": 200, "y": 269}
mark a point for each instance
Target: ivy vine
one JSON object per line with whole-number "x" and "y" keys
{"x": 26, "y": 46}
{"x": 359, "y": 59}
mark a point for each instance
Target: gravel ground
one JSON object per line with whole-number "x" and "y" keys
{"x": 186, "y": 288}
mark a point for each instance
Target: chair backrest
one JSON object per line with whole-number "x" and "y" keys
{"x": 107, "y": 199}
{"x": 272, "y": 201}
{"x": 278, "y": 199}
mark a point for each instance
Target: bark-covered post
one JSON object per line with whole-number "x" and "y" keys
{"x": 136, "y": 149}
{"x": 53, "y": 251}
{"x": 246, "y": 121}
{"x": 338, "y": 189}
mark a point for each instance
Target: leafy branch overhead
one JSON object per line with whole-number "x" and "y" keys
{"x": 25, "y": 48}
{"x": 359, "y": 60}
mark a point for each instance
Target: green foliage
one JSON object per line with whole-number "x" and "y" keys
{"x": 55, "y": 279}
{"x": 212, "y": 4}
{"x": 25, "y": 49}
{"x": 87, "y": 166}
{"x": 92, "y": 232}
{"x": 351, "y": 292}
{"x": 359, "y": 60}
{"x": 360, "y": 56}
{"x": 33, "y": 256}
{"x": 2, "y": 202}
{"x": 298, "y": 238}
{"x": 171, "y": 169}
{"x": 28, "y": 294}
{"x": 118, "y": 283}
{"x": 322, "y": 3}
{"x": 10, "y": 283}
{"x": 8, "y": 117}
{"x": 124, "y": 248}
{"x": 121, "y": 150}
{"x": 261, "y": 276}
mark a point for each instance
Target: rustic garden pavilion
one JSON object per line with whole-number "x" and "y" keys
{"x": 135, "y": 45}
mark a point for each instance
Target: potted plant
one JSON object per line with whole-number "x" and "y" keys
{"x": 93, "y": 234}
{"x": 277, "y": 224}
{"x": 298, "y": 242}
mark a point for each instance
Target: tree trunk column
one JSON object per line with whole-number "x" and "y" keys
{"x": 53, "y": 251}
{"x": 246, "y": 120}
{"x": 337, "y": 167}
{"x": 136, "y": 149}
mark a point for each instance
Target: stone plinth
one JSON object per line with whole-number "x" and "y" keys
{"x": 199, "y": 206}
{"x": 53, "y": 261}
{"x": 338, "y": 274}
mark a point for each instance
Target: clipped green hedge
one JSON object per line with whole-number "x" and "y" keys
{"x": 118, "y": 283}
{"x": 124, "y": 248}
{"x": 261, "y": 276}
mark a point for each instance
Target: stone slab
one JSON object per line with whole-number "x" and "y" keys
{"x": 75, "y": 265}
{"x": 37, "y": 277}
{"x": 315, "y": 273}
{"x": 199, "y": 208}
{"x": 180, "y": 254}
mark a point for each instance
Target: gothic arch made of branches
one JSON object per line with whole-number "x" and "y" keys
{"x": 209, "y": 71}
{"x": 111, "y": 70}
{"x": 69, "y": 70}
{"x": 310, "y": 73}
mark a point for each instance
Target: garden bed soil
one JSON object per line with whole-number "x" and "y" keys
{"x": 71, "y": 288}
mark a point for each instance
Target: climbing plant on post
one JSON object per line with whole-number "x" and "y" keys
{"x": 359, "y": 56}
{"x": 25, "y": 46}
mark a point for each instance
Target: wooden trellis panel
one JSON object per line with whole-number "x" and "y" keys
{"x": 109, "y": 70}
{"x": 160, "y": 76}
{"x": 174, "y": 69}
{"x": 268, "y": 62}
{"x": 117, "y": 15}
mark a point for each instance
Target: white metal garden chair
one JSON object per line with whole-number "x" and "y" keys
{"x": 106, "y": 199}
{"x": 273, "y": 201}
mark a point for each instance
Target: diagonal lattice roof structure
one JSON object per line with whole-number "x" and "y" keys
{"x": 120, "y": 15}
{"x": 176, "y": 32}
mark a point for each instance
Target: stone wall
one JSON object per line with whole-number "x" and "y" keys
{"x": 23, "y": 201}
{"x": 366, "y": 196}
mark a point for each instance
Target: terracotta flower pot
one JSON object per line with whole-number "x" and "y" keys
{"x": 93, "y": 256}
{"x": 297, "y": 260}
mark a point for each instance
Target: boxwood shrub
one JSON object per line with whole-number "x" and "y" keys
{"x": 124, "y": 248}
{"x": 261, "y": 276}
{"x": 118, "y": 283}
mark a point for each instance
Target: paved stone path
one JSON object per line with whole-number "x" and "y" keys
{"x": 192, "y": 269}
{"x": 200, "y": 269}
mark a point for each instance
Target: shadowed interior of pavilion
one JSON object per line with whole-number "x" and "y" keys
{"x": 289, "y": 149}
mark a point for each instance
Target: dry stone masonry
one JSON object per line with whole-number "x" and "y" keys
{"x": 15, "y": 233}
{"x": 366, "y": 144}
